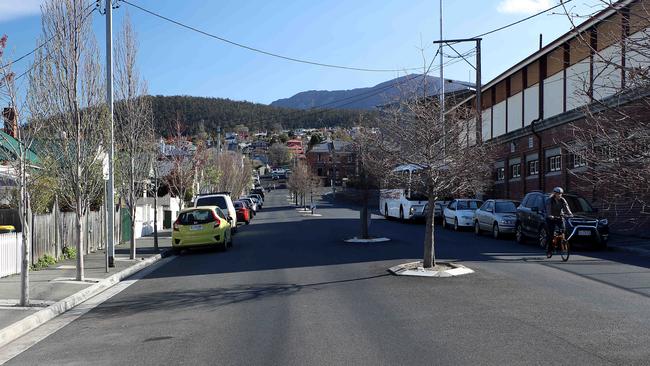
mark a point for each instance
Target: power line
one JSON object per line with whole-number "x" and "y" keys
{"x": 562, "y": 3}
{"x": 268, "y": 53}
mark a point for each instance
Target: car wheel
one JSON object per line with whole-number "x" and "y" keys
{"x": 456, "y": 224}
{"x": 401, "y": 213}
{"x": 542, "y": 237}
{"x": 477, "y": 228}
{"x": 519, "y": 234}
{"x": 248, "y": 222}
{"x": 444, "y": 222}
{"x": 495, "y": 231}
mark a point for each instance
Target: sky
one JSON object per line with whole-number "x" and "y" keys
{"x": 377, "y": 34}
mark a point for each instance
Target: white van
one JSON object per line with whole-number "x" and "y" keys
{"x": 221, "y": 200}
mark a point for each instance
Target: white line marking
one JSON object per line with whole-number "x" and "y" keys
{"x": 25, "y": 342}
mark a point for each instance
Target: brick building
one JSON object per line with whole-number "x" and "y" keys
{"x": 528, "y": 110}
{"x": 333, "y": 161}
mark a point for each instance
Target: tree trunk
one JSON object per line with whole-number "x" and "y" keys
{"x": 132, "y": 252}
{"x": 132, "y": 207}
{"x": 155, "y": 219}
{"x": 364, "y": 216}
{"x": 26, "y": 245}
{"x": 80, "y": 242}
{"x": 429, "y": 259}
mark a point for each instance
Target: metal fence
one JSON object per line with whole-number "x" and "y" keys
{"x": 10, "y": 254}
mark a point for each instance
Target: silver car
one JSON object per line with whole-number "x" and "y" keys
{"x": 496, "y": 216}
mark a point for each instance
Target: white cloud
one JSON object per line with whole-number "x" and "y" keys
{"x": 523, "y": 6}
{"x": 14, "y": 9}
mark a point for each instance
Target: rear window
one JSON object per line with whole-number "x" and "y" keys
{"x": 238, "y": 205}
{"x": 219, "y": 201}
{"x": 196, "y": 217}
{"x": 468, "y": 205}
{"x": 505, "y": 207}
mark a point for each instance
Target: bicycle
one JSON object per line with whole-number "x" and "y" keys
{"x": 561, "y": 242}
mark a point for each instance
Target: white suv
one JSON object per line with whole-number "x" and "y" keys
{"x": 221, "y": 200}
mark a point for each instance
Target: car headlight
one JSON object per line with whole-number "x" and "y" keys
{"x": 411, "y": 210}
{"x": 603, "y": 222}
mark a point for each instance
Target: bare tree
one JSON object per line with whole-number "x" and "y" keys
{"x": 23, "y": 162}
{"x": 133, "y": 132}
{"x": 449, "y": 159}
{"x": 181, "y": 172}
{"x": 302, "y": 182}
{"x": 66, "y": 90}
{"x": 609, "y": 148}
{"x": 279, "y": 154}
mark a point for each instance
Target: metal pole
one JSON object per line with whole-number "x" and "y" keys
{"x": 479, "y": 91}
{"x": 442, "y": 90}
{"x": 109, "y": 100}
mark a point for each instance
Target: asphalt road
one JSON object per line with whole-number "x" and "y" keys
{"x": 291, "y": 292}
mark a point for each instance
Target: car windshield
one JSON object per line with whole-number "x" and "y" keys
{"x": 195, "y": 217}
{"x": 578, "y": 204}
{"x": 468, "y": 205}
{"x": 219, "y": 201}
{"x": 505, "y": 207}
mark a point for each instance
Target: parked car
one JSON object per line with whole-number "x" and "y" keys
{"x": 259, "y": 199}
{"x": 459, "y": 213}
{"x": 250, "y": 203}
{"x": 438, "y": 208}
{"x": 7, "y": 229}
{"x": 531, "y": 220}
{"x": 258, "y": 190}
{"x": 258, "y": 202}
{"x": 221, "y": 200}
{"x": 497, "y": 216}
{"x": 243, "y": 212}
{"x": 201, "y": 226}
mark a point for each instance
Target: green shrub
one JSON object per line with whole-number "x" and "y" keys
{"x": 69, "y": 253}
{"x": 43, "y": 262}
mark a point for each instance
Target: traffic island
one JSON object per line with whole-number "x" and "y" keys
{"x": 366, "y": 241}
{"x": 441, "y": 269}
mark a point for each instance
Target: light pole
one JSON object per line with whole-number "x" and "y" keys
{"x": 110, "y": 200}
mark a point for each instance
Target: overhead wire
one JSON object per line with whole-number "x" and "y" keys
{"x": 258, "y": 50}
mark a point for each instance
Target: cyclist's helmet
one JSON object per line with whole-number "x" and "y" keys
{"x": 558, "y": 190}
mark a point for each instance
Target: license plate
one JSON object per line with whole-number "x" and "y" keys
{"x": 196, "y": 227}
{"x": 584, "y": 232}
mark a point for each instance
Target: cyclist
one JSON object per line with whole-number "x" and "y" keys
{"x": 556, "y": 210}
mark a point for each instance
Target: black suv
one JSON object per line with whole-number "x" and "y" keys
{"x": 531, "y": 220}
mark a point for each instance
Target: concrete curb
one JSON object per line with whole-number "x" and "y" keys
{"x": 366, "y": 241}
{"x": 33, "y": 321}
{"x": 413, "y": 269}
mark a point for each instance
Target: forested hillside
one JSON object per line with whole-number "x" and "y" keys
{"x": 195, "y": 112}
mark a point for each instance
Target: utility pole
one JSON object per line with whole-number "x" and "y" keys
{"x": 441, "y": 96}
{"x": 478, "y": 88}
{"x": 110, "y": 201}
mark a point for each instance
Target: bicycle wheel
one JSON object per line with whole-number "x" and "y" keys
{"x": 565, "y": 250}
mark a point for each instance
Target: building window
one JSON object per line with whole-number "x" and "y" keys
{"x": 350, "y": 159}
{"x": 501, "y": 173}
{"x": 555, "y": 163}
{"x": 578, "y": 160}
{"x": 533, "y": 167}
{"x": 530, "y": 142}
{"x": 515, "y": 170}
{"x": 319, "y": 158}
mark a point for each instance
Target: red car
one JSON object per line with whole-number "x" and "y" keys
{"x": 243, "y": 212}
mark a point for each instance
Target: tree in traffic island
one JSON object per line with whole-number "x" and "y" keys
{"x": 66, "y": 90}
{"x": 449, "y": 157}
{"x": 302, "y": 183}
{"x": 609, "y": 154}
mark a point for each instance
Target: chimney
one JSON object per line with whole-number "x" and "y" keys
{"x": 11, "y": 121}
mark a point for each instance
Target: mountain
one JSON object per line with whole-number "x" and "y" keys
{"x": 199, "y": 114}
{"x": 368, "y": 98}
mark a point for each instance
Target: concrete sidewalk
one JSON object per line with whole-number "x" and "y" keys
{"x": 51, "y": 285}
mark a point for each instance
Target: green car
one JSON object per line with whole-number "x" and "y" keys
{"x": 203, "y": 226}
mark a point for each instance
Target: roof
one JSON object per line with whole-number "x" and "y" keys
{"x": 321, "y": 148}
{"x": 603, "y": 14}
{"x": 11, "y": 147}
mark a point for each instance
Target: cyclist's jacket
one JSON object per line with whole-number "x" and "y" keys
{"x": 557, "y": 207}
